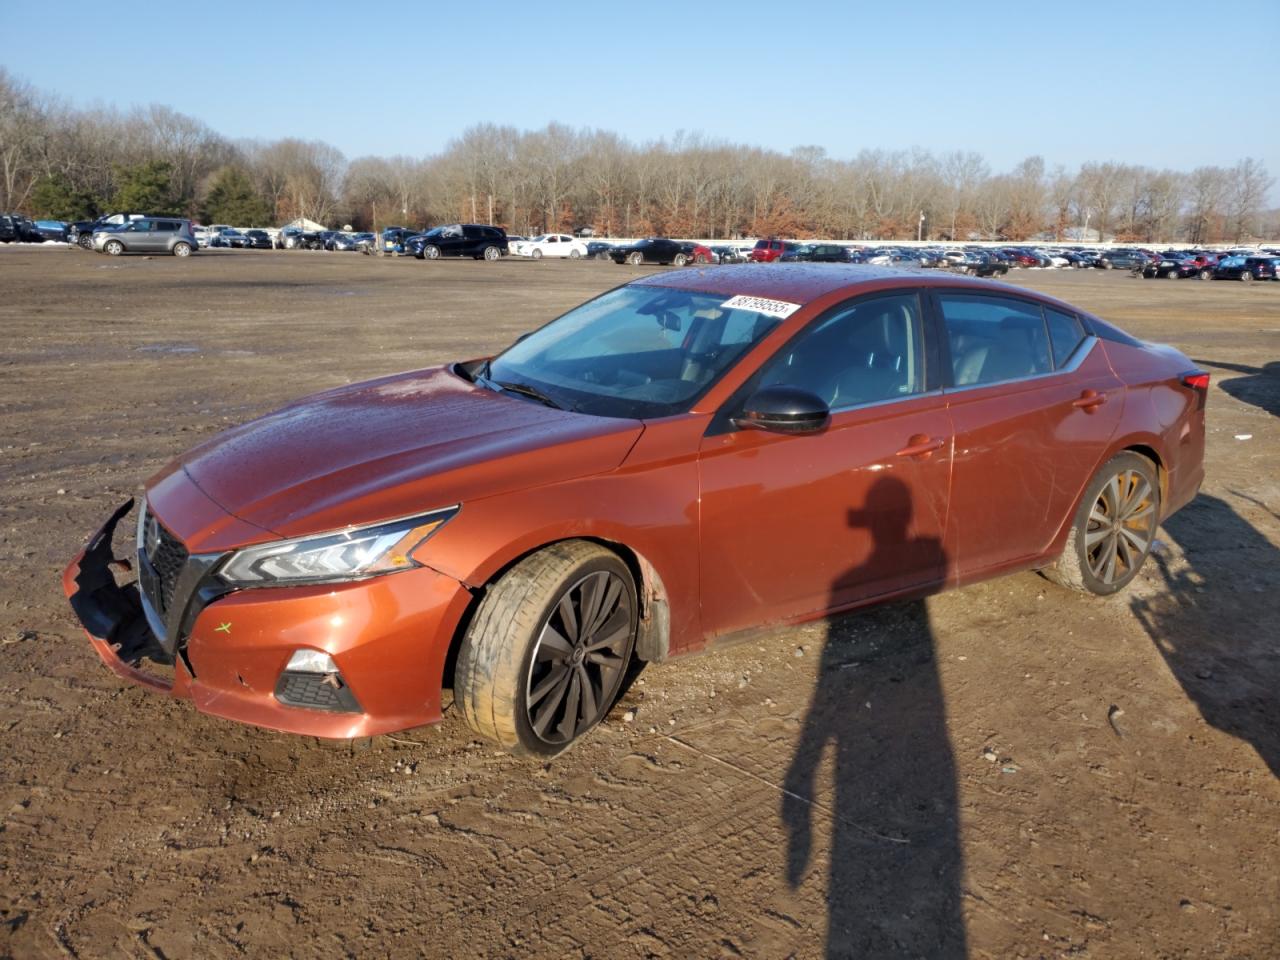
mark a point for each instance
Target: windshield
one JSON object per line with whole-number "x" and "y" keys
{"x": 637, "y": 352}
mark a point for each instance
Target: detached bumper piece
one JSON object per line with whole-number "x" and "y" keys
{"x": 316, "y": 691}
{"x": 109, "y": 611}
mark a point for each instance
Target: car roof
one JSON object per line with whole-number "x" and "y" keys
{"x": 803, "y": 283}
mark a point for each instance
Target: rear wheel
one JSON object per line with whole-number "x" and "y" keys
{"x": 1205, "y": 274}
{"x": 1113, "y": 529}
{"x": 113, "y": 247}
{"x": 492, "y": 253}
{"x": 680, "y": 260}
{"x": 1246, "y": 276}
{"x": 544, "y": 657}
{"x": 181, "y": 249}
{"x": 85, "y": 241}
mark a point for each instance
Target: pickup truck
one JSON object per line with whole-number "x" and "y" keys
{"x": 81, "y": 232}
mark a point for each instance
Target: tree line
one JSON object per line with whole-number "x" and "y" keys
{"x": 66, "y": 163}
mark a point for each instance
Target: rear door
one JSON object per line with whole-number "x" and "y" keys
{"x": 1034, "y": 404}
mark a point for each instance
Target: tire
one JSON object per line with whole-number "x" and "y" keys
{"x": 182, "y": 249}
{"x": 702, "y": 258}
{"x": 113, "y": 247}
{"x": 85, "y": 241}
{"x": 635, "y": 259}
{"x": 1246, "y": 277}
{"x": 492, "y": 253}
{"x": 1205, "y": 274}
{"x": 1172, "y": 275}
{"x": 431, "y": 252}
{"x": 680, "y": 260}
{"x": 537, "y": 254}
{"x": 575, "y": 255}
{"x": 1108, "y": 265}
{"x": 523, "y": 663}
{"x": 1119, "y": 513}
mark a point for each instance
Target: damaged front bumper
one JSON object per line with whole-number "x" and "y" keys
{"x": 230, "y": 651}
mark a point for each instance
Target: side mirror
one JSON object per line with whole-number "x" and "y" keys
{"x": 783, "y": 409}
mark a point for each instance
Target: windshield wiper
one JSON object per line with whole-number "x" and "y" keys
{"x": 527, "y": 391}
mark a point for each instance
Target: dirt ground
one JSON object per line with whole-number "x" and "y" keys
{"x": 1005, "y": 771}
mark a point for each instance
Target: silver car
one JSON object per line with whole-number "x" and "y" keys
{"x": 148, "y": 235}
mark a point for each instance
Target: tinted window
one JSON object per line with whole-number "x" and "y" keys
{"x": 472, "y": 233}
{"x": 1065, "y": 334}
{"x": 993, "y": 339}
{"x": 865, "y": 352}
{"x": 167, "y": 226}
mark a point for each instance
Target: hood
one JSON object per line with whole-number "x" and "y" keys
{"x": 394, "y": 447}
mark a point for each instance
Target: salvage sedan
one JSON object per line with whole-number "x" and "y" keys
{"x": 688, "y": 458}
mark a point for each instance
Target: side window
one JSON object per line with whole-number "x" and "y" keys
{"x": 1065, "y": 334}
{"x": 865, "y": 352}
{"x": 994, "y": 338}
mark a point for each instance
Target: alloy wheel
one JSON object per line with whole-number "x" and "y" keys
{"x": 579, "y": 659}
{"x": 1121, "y": 526}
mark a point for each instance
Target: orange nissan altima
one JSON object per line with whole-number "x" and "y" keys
{"x": 688, "y": 457}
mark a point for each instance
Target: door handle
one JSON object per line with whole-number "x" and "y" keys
{"x": 1089, "y": 400}
{"x": 921, "y": 446}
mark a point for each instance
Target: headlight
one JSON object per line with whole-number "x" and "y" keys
{"x": 350, "y": 554}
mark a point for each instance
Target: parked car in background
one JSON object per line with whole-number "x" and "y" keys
{"x": 598, "y": 250}
{"x": 725, "y": 253}
{"x": 817, "y": 253}
{"x": 17, "y": 228}
{"x": 699, "y": 253}
{"x": 771, "y": 249}
{"x": 1121, "y": 259}
{"x": 147, "y": 235}
{"x": 662, "y": 250}
{"x": 664, "y": 466}
{"x": 559, "y": 245}
{"x": 81, "y": 232}
{"x": 52, "y": 230}
{"x": 344, "y": 242}
{"x": 290, "y": 238}
{"x": 230, "y": 237}
{"x": 480, "y": 241}
{"x": 1246, "y": 269}
{"x": 365, "y": 242}
{"x": 258, "y": 239}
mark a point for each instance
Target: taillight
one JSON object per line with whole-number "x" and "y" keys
{"x": 1196, "y": 380}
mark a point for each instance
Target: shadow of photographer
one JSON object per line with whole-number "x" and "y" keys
{"x": 895, "y": 863}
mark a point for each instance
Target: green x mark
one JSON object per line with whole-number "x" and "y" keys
{"x": 223, "y": 628}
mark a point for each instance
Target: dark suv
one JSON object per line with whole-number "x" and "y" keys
{"x": 475, "y": 240}
{"x": 147, "y": 235}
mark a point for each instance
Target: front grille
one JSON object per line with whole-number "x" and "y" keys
{"x": 167, "y": 556}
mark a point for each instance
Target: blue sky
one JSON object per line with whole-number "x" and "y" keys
{"x": 1072, "y": 81}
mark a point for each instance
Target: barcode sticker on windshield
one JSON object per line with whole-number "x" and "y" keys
{"x": 773, "y": 308}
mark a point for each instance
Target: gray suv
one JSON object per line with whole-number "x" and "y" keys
{"x": 147, "y": 235}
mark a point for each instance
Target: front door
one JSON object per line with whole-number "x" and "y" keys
{"x": 795, "y": 524}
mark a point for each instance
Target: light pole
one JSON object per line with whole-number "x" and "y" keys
{"x": 920, "y": 228}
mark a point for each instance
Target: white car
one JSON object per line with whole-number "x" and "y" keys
{"x": 550, "y": 245}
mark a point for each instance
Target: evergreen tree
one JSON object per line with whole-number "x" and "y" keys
{"x": 55, "y": 197}
{"x": 147, "y": 188}
{"x": 233, "y": 199}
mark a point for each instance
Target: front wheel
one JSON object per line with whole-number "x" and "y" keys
{"x": 1113, "y": 528}
{"x": 113, "y": 247}
{"x": 1246, "y": 277}
{"x": 85, "y": 241}
{"x": 545, "y": 655}
{"x": 537, "y": 254}
{"x": 431, "y": 252}
{"x": 1205, "y": 274}
{"x": 635, "y": 259}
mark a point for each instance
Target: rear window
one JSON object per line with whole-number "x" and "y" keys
{"x": 1065, "y": 334}
{"x": 992, "y": 339}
